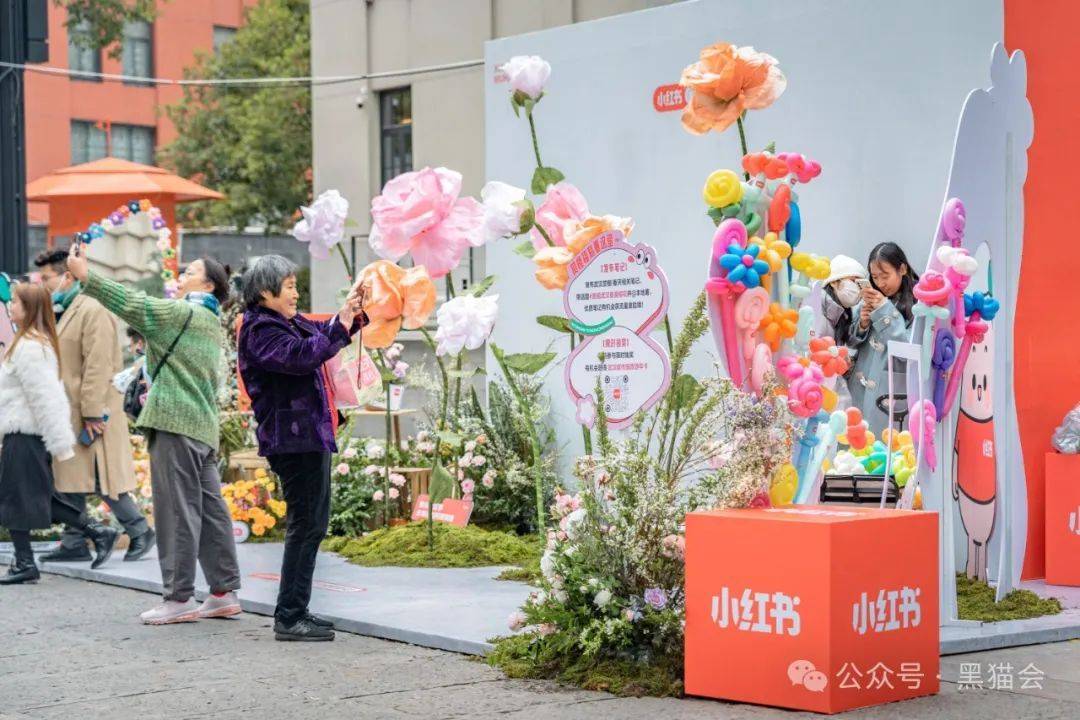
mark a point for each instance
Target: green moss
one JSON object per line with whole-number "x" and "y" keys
{"x": 523, "y": 656}
{"x": 528, "y": 573}
{"x": 334, "y": 544}
{"x": 407, "y": 546}
{"x": 975, "y": 601}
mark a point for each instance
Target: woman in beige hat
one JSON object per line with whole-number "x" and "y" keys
{"x": 841, "y": 294}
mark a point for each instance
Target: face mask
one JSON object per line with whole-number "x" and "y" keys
{"x": 847, "y": 292}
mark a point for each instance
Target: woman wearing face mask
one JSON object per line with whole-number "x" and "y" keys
{"x": 884, "y": 314}
{"x": 841, "y": 294}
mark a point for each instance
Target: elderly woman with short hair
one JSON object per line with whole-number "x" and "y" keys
{"x": 281, "y": 357}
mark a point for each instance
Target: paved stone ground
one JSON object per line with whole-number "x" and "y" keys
{"x": 73, "y": 649}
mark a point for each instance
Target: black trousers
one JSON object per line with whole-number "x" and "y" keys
{"x": 305, "y": 479}
{"x": 62, "y": 512}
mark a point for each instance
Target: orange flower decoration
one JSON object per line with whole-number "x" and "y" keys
{"x": 726, "y": 81}
{"x": 551, "y": 265}
{"x": 579, "y": 233}
{"x": 833, "y": 360}
{"x": 396, "y": 298}
{"x": 780, "y": 209}
{"x": 777, "y": 325}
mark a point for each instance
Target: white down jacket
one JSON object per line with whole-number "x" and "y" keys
{"x": 32, "y": 398}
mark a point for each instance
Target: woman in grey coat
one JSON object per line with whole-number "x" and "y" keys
{"x": 884, "y": 314}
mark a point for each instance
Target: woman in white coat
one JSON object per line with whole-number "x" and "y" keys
{"x": 34, "y": 423}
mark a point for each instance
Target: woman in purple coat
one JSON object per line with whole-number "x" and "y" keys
{"x": 280, "y": 358}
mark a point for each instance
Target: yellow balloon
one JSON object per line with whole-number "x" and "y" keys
{"x": 785, "y": 482}
{"x": 829, "y": 399}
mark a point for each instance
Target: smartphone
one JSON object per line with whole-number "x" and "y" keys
{"x": 85, "y": 438}
{"x": 863, "y": 283}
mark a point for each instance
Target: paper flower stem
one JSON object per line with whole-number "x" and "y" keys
{"x": 345, "y": 260}
{"x": 742, "y": 142}
{"x": 535, "y": 143}
{"x": 543, "y": 233}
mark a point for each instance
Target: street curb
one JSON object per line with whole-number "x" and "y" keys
{"x": 355, "y": 627}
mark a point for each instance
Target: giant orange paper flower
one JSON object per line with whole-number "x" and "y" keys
{"x": 579, "y": 233}
{"x": 551, "y": 265}
{"x": 396, "y": 297}
{"x": 726, "y": 81}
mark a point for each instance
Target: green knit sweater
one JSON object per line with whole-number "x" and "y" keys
{"x": 183, "y": 398}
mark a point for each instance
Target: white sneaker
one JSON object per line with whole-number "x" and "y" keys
{"x": 170, "y": 612}
{"x": 222, "y": 606}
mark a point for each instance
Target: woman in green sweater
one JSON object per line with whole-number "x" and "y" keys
{"x": 184, "y": 341}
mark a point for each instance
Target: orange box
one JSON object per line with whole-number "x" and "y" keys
{"x": 812, "y": 608}
{"x": 1062, "y": 519}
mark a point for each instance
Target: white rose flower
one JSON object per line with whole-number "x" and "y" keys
{"x": 503, "y": 210}
{"x": 573, "y": 520}
{"x": 560, "y": 596}
{"x": 602, "y": 598}
{"x": 470, "y": 446}
{"x": 528, "y": 74}
{"x": 465, "y": 322}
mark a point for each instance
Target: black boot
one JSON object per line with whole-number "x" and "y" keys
{"x": 140, "y": 546}
{"x": 104, "y": 538}
{"x": 66, "y": 554}
{"x": 22, "y": 570}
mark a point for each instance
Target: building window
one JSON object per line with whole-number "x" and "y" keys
{"x": 80, "y": 57}
{"x": 134, "y": 143}
{"x": 90, "y": 141}
{"x": 87, "y": 142}
{"x": 395, "y": 112}
{"x": 138, "y": 49}
{"x": 222, "y": 36}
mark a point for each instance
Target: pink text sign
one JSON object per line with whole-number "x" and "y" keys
{"x": 616, "y": 294}
{"x": 453, "y": 512}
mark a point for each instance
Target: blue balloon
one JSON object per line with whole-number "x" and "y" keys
{"x": 793, "y": 229}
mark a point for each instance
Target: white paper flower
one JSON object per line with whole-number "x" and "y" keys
{"x": 527, "y": 74}
{"x": 374, "y": 451}
{"x": 503, "y": 210}
{"x": 465, "y": 323}
{"x": 586, "y": 411}
{"x": 602, "y": 598}
{"x": 349, "y": 453}
{"x": 573, "y": 520}
{"x": 323, "y": 224}
{"x": 478, "y": 460}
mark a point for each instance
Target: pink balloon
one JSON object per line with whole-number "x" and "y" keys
{"x": 750, "y": 308}
{"x": 729, "y": 232}
{"x": 761, "y": 367}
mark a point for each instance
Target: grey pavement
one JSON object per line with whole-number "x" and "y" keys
{"x": 74, "y": 649}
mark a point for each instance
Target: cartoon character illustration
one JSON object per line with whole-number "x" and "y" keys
{"x": 974, "y": 466}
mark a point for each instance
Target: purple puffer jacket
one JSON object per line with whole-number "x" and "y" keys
{"x": 281, "y": 363}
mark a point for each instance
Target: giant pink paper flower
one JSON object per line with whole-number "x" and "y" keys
{"x": 562, "y": 203}
{"x": 420, "y": 213}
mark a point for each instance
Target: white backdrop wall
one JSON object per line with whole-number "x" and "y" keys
{"x": 874, "y": 93}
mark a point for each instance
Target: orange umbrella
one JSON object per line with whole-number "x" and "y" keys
{"x": 82, "y": 194}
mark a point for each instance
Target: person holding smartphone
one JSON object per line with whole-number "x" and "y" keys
{"x": 883, "y": 314}
{"x": 281, "y": 356}
{"x": 184, "y": 347}
{"x": 90, "y": 356}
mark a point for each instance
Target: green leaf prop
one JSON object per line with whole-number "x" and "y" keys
{"x": 685, "y": 392}
{"x": 543, "y": 177}
{"x": 482, "y": 287}
{"x": 528, "y": 363}
{"x": 555, "y": 322}
{"x": 525, "y": 249}
{"x": 441, "y": 485}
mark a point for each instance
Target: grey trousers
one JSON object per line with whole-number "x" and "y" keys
{"x": 123, "y": 507}
{"x": 191, "y": 518}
